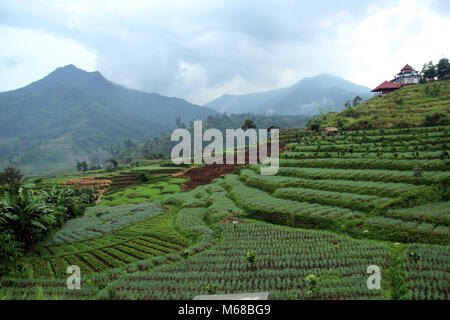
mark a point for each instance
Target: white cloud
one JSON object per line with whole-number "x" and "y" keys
{"x": 201, "y": 49}
{"x": 28, "y": 54}
{"x": 388, "y": 38}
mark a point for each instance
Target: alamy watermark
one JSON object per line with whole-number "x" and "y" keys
{"x": 374, "y": 280}
{"x": 74, "y": 281}
{"x": 215, "y": 152}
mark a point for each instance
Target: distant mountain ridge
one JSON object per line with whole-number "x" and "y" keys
{"x": 302, "y": 98}
{"x": 70, "y": 113}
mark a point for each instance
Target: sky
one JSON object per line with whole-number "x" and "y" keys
{"x": 201, "y": 49}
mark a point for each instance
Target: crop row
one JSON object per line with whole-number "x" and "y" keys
{"x": 427, "y": 177}
{"x": 263, "y": 206}
{"x": 430, "y": 165}
{"x": 344, "y": 139}
{"x": 436, "y": 212}
{"x": 352, "y": 201}
{"x": 284, "y": 258}
{"x": 384, "y": 228}
{"x": 410, "y": 146}
{"x": 294, "y": 133}
{"x": 270, "y": 183}
{"x": 426, "y": 155}
{"x": 427, "y": 272}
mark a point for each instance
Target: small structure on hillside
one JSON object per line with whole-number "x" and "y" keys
{"x": 406, "y": 76}
{"x": 331, "y": 131}
{"x": 385, "y": 88}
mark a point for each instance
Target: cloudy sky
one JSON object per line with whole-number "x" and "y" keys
{"x": 199, "y": 50}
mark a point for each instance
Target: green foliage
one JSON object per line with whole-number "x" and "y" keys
{"x": 10, "y": 251}
{"x": 251, "y": 257}
{"x": 443, "y": 69}
{"x": 248, "y": 124}
{"x": 11, "y": 178}
{"x": 28, "y": 217}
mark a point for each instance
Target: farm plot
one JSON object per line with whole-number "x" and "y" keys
{"x": 101, "y": 220}
{"x": 427, "y": 272}
{"x": 284, "y": 260}
{"x": 143, "y": 240}
{"x": 156, "y": 188}
{"x": 262, "y": 205}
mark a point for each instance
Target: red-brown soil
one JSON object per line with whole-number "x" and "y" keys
{"x": 203, "y": 175}
{"x": 91, "y": 181}
{"x": 206, "y": 174}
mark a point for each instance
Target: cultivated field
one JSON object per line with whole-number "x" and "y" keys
{"x": 338, "y": 205}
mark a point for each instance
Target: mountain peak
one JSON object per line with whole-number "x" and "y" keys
{"x": 72, "y": 74}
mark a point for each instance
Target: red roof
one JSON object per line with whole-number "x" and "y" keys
{"x": 406, "y": 68}
{"x": 386, "y": 85}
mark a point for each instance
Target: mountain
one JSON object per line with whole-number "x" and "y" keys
{"x": 304, "y": 97}
{"x": 71, "y": 113}
{"x": 413, "y": 105}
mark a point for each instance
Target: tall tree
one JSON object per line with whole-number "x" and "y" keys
{"x": 356, "y": 101}
{"x": 443, "y": 69}
{"x": 248, "y": 124}
{"x": 429, "y": 72}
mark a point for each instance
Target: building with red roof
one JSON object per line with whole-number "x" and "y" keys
{"x": 406, "y": 76}
{"x": 385, "y": 88}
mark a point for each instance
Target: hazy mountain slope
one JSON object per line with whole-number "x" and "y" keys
{"x": 303, "y": 97}
{"x": 70, "y": 113}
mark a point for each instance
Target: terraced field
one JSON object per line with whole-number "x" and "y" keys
{"x": 338, "y": 205}
{"x": 142, "y": 240}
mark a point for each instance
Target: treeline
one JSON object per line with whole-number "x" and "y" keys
{"x": 159, "y": 148}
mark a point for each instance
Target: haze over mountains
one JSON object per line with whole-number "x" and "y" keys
{"x": 303, "y": 98}
{"x": 71, "y": 113}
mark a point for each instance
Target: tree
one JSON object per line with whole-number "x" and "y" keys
{"x": 84, "y": 166}
{"x": 429, "y": 72}
{"x": 11, "y": 178}
{"x": 443, "y": 69}
{"x": 356, "y": 101}
{"x": 314, "y": 124}
{"x": 113, "y": 162}
{"x": 348, "y": 104}
{"x": 27, "y": 217}
{"x": 79, "y": 166}
{"x": 248, "y": 124}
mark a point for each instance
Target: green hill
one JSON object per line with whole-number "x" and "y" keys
{"x": 415, "y": 105}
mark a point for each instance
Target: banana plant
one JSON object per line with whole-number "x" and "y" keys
{"x": 28, "y": 217}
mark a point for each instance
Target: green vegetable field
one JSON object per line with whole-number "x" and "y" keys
{"x": 338, "y": 205}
